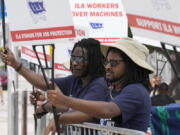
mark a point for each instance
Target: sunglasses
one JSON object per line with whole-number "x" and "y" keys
{"x": 78, "y": 59}
{"x": 112, "y": 62}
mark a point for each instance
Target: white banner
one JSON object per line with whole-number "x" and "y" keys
{"x": 37, "y": 20}
{"x": 155, "y": 19}
{"x": 104, "y": 19}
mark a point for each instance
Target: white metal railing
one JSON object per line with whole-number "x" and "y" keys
{"x": 96, "y": 129}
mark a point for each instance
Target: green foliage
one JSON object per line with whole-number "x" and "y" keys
{"x": 2, "y": 66}
{"x": 1, "y": 49}
{"x": 130, "y": 32}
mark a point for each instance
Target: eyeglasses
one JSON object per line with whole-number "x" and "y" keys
{"x": 112, "y": 62}
{"x": 78, "y": 59}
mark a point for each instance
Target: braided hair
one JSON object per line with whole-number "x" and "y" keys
{"x": 95, "y": 57}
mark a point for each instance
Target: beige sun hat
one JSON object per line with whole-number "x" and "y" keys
{"x": 133, "y": 49}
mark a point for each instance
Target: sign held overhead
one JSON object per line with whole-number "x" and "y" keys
{"x": 105, "y": 20}
{"x": 37, "y": 20}
{"x": 155, "y": 19}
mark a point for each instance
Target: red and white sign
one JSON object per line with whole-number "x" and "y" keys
{"x": 62, "y": 53}
{"x": 37, "y": 20}
{"x": 28, "y": 53}
{"x": 105, "y": 20}
{"x": 155, "y": 19}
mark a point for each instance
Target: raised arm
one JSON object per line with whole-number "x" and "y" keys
{"x": 97, "y": 109}
{"x": 30, "y": 76}
{"x": 156, "y": 80}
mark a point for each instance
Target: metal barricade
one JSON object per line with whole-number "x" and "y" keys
{"x": 96, "y": 129}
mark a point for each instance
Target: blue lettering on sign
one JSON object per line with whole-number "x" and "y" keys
{"x": 96, "y": 25}
{"x": 37, "y": 10}
{"x": 69, "y": 51}
{"x": 36, "y": 7}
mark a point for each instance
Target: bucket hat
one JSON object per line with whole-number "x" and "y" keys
{"x": 136, "y": 51}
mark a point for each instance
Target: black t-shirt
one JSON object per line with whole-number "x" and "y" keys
{"x": 161, "y": 100}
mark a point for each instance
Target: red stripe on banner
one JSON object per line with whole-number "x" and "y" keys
{"x": 46, "y": 33}
{"x": 156, "y": 25}
{"x": 108, "y": 40}
{"x": 31, "y": 53}
{"x": 60, "y": 67}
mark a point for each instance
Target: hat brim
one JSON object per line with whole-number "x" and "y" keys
{"x": 139, "y": 62}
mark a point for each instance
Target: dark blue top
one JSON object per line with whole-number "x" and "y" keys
{"x": 72, "y": 86}
{"x": 135, "y": 105}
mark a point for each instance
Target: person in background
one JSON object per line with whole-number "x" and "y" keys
{"x": 127, "y": 75}
{"x": 162, "y": 98}
{"x": 86, "y": 82}
{"x": 155, "y": 81}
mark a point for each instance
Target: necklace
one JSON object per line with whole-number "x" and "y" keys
{"x": 110, "y": 91}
